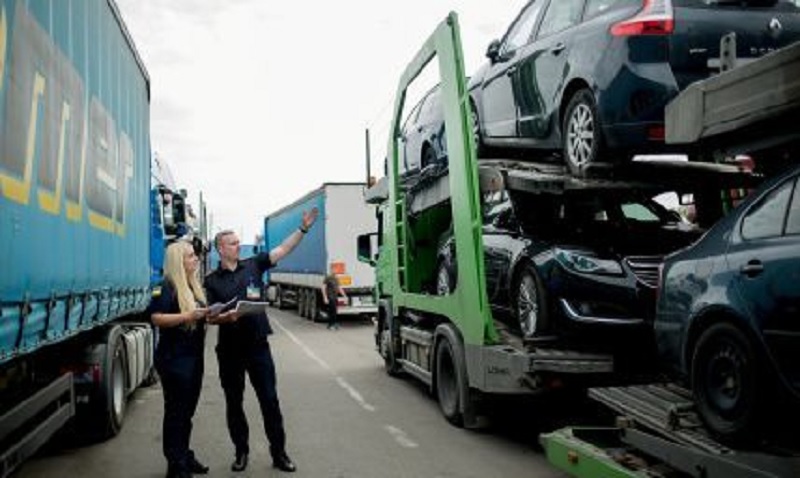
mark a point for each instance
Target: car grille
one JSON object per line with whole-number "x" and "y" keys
{"x": 645, "y": 268}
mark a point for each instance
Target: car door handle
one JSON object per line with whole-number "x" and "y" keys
{"x": 558, "y": 48}
{"x": 752, "y": 268}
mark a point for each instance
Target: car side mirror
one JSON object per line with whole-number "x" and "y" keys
{"x": 493, "y": 52}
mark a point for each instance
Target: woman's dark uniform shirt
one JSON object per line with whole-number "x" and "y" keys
{"x": 244, "y": 283}
{"x": 179, "y": 339}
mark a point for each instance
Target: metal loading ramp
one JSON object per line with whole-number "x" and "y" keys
{"x": 660, "y": 421}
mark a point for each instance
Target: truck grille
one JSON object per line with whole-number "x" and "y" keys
{"x": 645, "y": 268}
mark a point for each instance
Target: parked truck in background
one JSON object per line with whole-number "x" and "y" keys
{"x": 84, "y": 219}
{"x": 328, "y": 248}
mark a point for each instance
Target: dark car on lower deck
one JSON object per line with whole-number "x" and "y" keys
{"x": 728, "y": 315}
{"x": 564, "y": 267}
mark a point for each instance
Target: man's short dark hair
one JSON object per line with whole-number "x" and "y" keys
{"x": 220, "y": 235}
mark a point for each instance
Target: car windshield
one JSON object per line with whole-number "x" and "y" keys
{"x": 585, "y": 213}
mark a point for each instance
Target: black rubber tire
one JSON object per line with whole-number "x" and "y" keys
{"x": 110, "y": 398}
{"x": 581, "y": 118}
{"x": 474, "y": 122}
{"x": 529, "y": 294}
{"x": 303, "y": 295}
{"x": 427, "y": 156}
{"x": 448, "y": 384}
{"x": 300, "y": 303}
{"x": 445, "y": 279}
{"x": 726, "y": 383}
{"x": 313, "y": 313}
{"x": 279, "y": 302}
{"x": 384, "y": 341}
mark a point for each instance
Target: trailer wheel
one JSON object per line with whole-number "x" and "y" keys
{"x": 111, "y": 396}
{"x": 726, "y": 382}
{"x": 314, "y": 308}
{"x": 302, "y": 303}
{"x": 279, "y": 304}
{"x": 385, "y": 343}
{"x": 447, "y": 383}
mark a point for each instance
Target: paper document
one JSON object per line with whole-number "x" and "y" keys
{"x": 246, "y": 307}
{"x": 218, "y": 307}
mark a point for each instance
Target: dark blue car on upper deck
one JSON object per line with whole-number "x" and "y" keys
{"x": 591, "y": 78}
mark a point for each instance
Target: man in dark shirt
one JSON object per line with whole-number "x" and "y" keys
{"x": 243, "y": 346}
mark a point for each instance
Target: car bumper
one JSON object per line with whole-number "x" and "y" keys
{"x": 572, "y": 311}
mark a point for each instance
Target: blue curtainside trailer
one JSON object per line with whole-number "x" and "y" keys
{"x": 84, "y": 218}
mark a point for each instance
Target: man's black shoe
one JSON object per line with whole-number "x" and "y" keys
{"x": 240, "y": 463}
{"x": 196, "y": 467}
{"x": 284, "y": 463}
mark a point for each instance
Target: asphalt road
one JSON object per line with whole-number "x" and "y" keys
{"x": 344, "y": 418}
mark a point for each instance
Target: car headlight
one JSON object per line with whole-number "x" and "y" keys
{"x": 586, "y": 263}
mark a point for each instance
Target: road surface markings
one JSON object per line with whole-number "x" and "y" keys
{"x": 354, "y": 394}
{"x": 303, "y": 346}
{"x": 400, "y": 437}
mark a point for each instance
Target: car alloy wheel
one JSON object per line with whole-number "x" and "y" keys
{"x": 443, "y": 280}
{"x": 528, "y": 305}
{"x": 581, "y": 133}
{"x": 476, "y": 128}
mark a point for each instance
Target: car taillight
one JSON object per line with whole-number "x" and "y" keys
{"x": 655, "y": 18}
{"x": 656, "y": 133}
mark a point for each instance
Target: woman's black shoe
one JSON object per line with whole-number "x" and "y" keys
{"x": 284, "y": 463}
{"x": 196, "y": 467}
{"x": 240, "y": 463}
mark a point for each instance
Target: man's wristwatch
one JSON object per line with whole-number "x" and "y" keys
{"x": 303, "y": 230}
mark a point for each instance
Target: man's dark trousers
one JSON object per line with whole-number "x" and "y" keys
{"x": 256, "y": 360}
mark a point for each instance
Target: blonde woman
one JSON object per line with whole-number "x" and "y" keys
{"x": 179, "y": 313}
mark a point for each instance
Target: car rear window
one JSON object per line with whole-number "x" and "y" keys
{"x": 778, "y": 5}
{"x": 598, "y": 7}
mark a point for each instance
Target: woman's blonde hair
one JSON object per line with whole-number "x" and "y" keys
{"x": 187, "y": 286}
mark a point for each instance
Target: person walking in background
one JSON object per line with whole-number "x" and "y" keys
{"x": 330, "y": 290}
{"x": 243, "y": 345}
{"x": 178, "y": 312}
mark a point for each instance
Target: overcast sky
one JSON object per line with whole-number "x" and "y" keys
{"x": 257, "y": 102}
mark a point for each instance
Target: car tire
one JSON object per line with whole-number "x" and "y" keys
{"x": 475, "y": 129}
{"x": 582, "y": 136}
{"x": 726, "y": 382}
{"x": 530, "y": 304}
{"x": 445, "y": 278}
{"x": 428, "y": 156}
